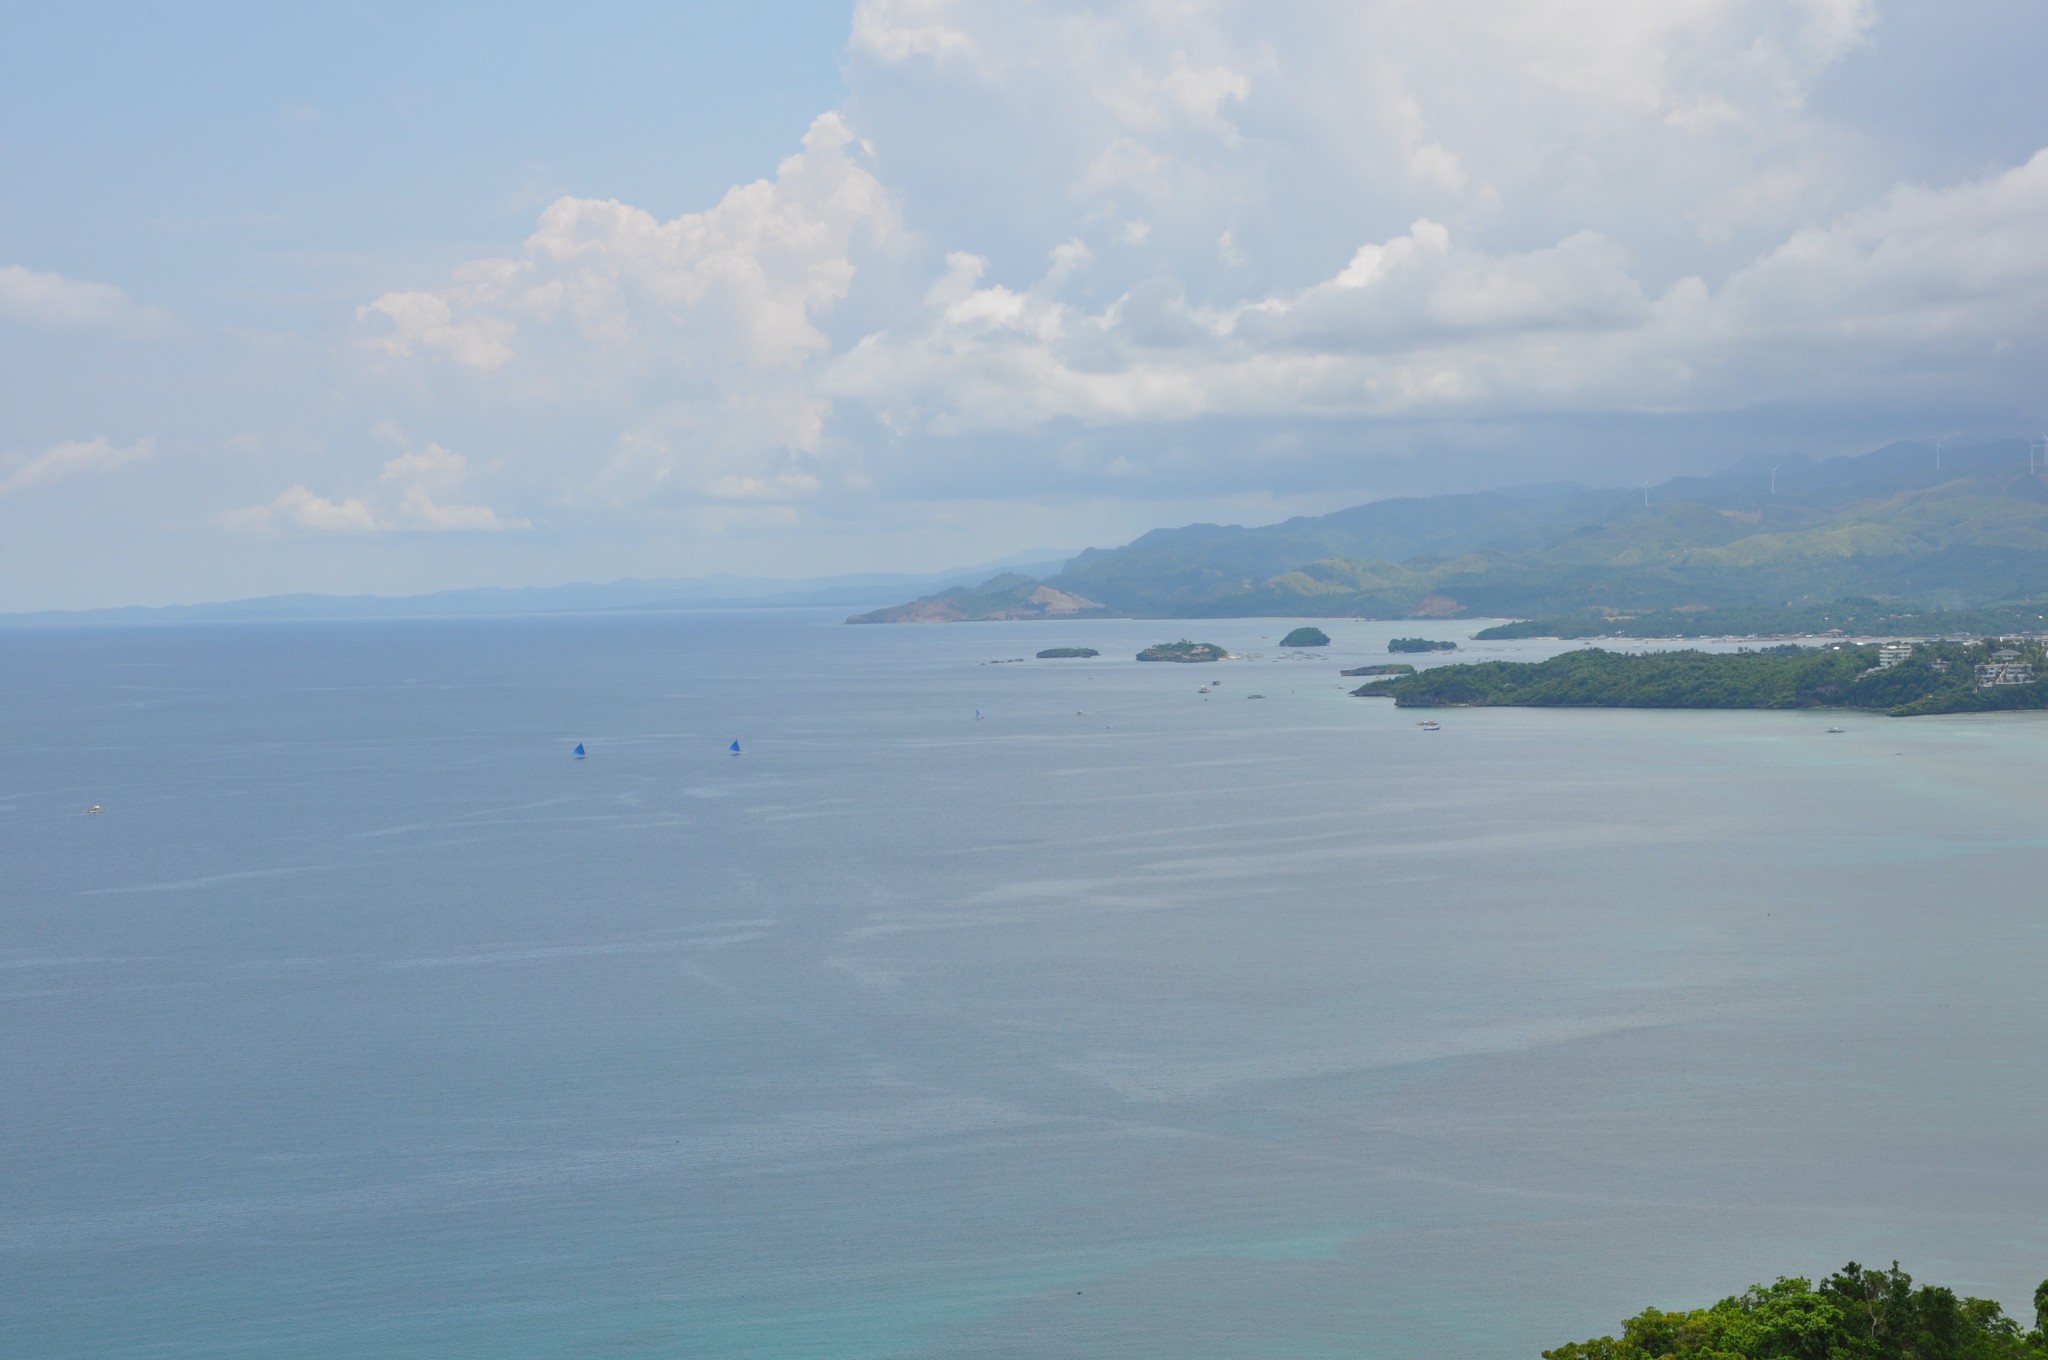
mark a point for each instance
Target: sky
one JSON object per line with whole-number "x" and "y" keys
{"x": 394, "y": 298}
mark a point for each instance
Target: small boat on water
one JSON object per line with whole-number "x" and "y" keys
{"x": 579, "y": 752}
{"x": 94, "y": 811}
{"x": 1428, "y": 724}
{"x": 735, "y": 747}
{"x": 1203, "y": 690}
{"x": 1836, "y": 729}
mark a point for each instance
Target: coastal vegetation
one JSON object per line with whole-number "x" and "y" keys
{"x": 1060, "y": 653}
{"x": 1931, "y": 677}
{"x": 1856, "y": 1313}
{"x": 1416, "y": 644}
{"x": 1183, "y": 651}
{"x": 1385, "y": 668}
{"x": 1306, "y": 637}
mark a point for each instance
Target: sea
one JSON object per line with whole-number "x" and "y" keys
{"x": 981, "y": 1006}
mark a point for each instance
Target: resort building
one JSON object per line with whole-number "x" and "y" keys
{"x": 2004, "y": 668}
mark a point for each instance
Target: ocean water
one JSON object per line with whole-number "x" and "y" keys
{"x": 1123, "y": 1021}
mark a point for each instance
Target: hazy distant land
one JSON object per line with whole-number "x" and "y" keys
{"x": 1891, "y": 542}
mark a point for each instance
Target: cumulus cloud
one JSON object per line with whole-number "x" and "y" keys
{"x": 410, "y": 493}
{"x": 738, "y": 285}
{"x": 300, "y": 507}
{"x": 906, "y": 30}
{"x": 52, "y": 300}
{"x": 1422, "y": 324}
{"x": 704, "y": 325}
{"x": 1352, "y": 211}
{"x": 74, "y": 459}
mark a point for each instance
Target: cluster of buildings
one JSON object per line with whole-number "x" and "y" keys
{"x": 2006, "y": 666}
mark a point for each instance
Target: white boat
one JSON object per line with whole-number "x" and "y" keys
{"x": 1428, "y": 724}
{"x": 1836, "y": 729}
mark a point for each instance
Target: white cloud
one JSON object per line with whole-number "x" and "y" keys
{"x": 703, "y": 326}
{"x": 905, "y": 30}
{"x": 740, "y": 285}
{"x": 409, "y": 494}
{"x": 301, "y": 508}
{"x": 53, "y": 300}
{"x": 1348, "y": 211}
{"x": 1423, "y": 324}
{"x": 426, "y": 321}
{"x": 73, "y": 459}
{"x": 420, "y": 477}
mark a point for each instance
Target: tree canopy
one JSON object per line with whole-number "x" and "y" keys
{"x": 1855, "y": 1314}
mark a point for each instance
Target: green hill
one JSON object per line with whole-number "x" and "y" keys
{"x": 1888, "y": 526}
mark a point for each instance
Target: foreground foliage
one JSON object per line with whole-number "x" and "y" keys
{"x": 1854, "y": 1314}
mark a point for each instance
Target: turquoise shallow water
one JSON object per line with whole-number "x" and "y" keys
{"x": 1123, "y": 1022}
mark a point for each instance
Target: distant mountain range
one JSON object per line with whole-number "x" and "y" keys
{"x": 1764, "y": 535}
{"x": 704, "y": 592}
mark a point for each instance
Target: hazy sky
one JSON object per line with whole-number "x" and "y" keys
{"x": 397, "y": 297}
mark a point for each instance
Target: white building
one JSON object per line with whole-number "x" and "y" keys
{"x": 2004, "y": 668}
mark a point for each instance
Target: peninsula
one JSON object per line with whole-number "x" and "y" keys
{"x": 1901, "y": 679}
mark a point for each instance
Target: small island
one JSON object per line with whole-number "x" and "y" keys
{"x": 1420, "y": 645}
{"x": 1388, "y": 668}
{"x": 1060, "y": 653}
{"x": 1898, "y": 678}
{"x": 1306, "y": 637}
{"x": 1857, "y": 1311}
{"x": 1183, "y": 651}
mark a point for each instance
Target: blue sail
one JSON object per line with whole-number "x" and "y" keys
{"x": 977, "y": 715}
{"x": 735, "y": 746}
{"x": 579, "y": 750}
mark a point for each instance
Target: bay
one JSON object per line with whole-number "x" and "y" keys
{"x": 1122, "y": 1020}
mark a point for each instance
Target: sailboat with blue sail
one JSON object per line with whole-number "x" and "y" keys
{"x": 579, "y": 750}
{"x": 735, "y": 747}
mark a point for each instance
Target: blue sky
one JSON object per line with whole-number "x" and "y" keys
{"x": 394, "y": 298}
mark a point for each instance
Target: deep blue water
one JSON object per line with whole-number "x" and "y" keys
{"x": 1124, "y": 1022}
